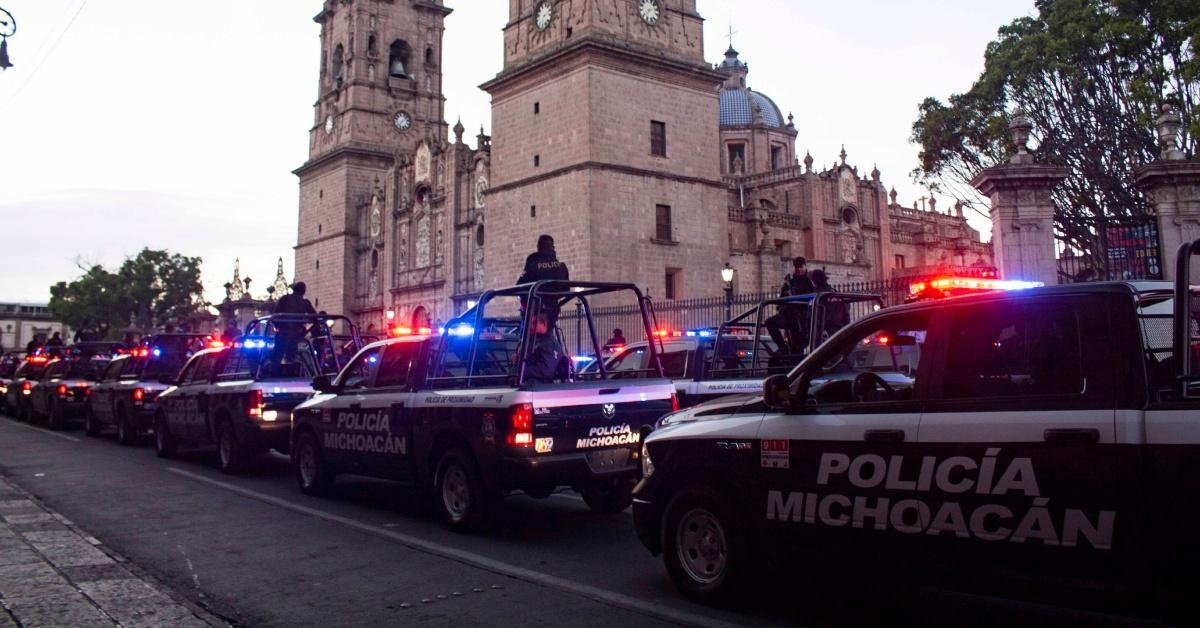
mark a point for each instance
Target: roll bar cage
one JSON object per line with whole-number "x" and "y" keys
{"x": 1183, "y": 340}
{"x": 321, "y": 329}
{"x": 560, "y": 293}
{"x": 815, "y": 301}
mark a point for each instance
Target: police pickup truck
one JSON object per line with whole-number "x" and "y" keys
{"x": 9, "y": 364}
{"x": 240, "y": 398}
{"x": 126, "y": 393}
{"x": 1050, "y": 431}
{"x": 726, "y": 360}
{"x": 61, "y": 393}
{"x": 489, "y": 406}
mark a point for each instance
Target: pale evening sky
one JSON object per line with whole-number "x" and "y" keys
{"x": 175, "y": 125}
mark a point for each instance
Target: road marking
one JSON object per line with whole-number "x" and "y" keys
{"x": 45, "y": 431}
{"x": 611, "y": 598}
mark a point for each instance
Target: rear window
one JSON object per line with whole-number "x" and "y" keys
{"x": 495, "y": 359}
{"x": 1156, "y": 317}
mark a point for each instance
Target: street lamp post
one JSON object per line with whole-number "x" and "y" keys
{"x": 8, "y": 28}
{"x": 727, "y": 277}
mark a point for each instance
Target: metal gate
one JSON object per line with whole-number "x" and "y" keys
{"x": 1107, "y": 248}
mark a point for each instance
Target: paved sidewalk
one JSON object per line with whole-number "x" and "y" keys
{"x": 53, "y": 574}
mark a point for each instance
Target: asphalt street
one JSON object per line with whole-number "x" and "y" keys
{"x": 255, "y": 551}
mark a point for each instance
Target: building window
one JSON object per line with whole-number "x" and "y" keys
{"x": 429, "y": 56}
{"x": 658, "y": 138}
{"x": 537, "y": 108}
{"x": 671, "y": 284}
{"x": 533, "y": 211}
{"x": 662, "y": 222}
{"x": 737, "y": 157}
{"x": 398, "y": 59}
{"x": 899, "y": 261}
{"x": 777, "y": 157}
{"x": 372, "y": 46}
{"x": 537, "y": 160}
{"x": 318, "y": 264}
{"x": 339, "y": 64}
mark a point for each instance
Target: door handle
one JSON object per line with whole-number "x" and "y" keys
{"x": 609, "y": 391}
{"x": 884, "y": 436}
{"x": 1072, "y": 435}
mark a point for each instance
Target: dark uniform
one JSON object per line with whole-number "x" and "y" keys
{"x": 544, "y": 266}
{"x": 288, "y": 335}
{"x": 546, "y": 361}
{"x": 791, "y": 317}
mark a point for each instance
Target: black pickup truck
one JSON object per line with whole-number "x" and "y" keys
{"x": 472, "y": 413}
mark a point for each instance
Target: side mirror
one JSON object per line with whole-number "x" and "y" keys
{"x": 776, "y": 393}
{"x": 322, "y": 384}
{"x": 169, "y": 380}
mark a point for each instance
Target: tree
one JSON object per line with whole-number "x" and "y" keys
{"x": 149, "y": 290}
{"x": 1092, "y": 76}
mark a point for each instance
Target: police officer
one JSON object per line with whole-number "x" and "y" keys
{"x": 288, "y": 335}
{"x": 790, "y": 317}
{"x": 543, "y": 265}
{"x": 55, "y": 340}
{"x": 546, "y": 361}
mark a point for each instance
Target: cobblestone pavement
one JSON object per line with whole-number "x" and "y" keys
{"x": 54, "y": 574}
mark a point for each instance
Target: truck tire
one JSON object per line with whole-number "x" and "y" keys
{"x": 165, "y": 444}
{"x": 55, "y": 419}
{"x": 609, "y": 497}
{"x": 463, "y": 502}
{"x": 231, "y": 453}
{"x": 91, "y": 426}
{"x": 707, "y": 548}
{"x": 126, "y": 435}
{"x": 313, "y": 474}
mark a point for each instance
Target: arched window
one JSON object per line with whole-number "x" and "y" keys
{"x": 339, "y": 64}
{"x": 420, "y": 317}
{"x": 429, "y": 56}
{"x": 398, "y": 59}
{"x": 372, "y": 46}
{"x": 479, "y": 236}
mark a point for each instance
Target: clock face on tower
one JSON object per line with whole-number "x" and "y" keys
{"x": 402, "y": 121}
{"x": 650, "y": 11}
{"x": 545, "y": 13}
{"x": 329, "y": 123}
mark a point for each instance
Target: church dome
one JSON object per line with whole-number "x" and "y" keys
{"x": 741, "y": 106}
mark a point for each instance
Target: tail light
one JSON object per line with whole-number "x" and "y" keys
{"x": 62, "y": 390}
{"x": 139, "y": 395}
{"x": 26, "y": 388}
{"x": 674, "y": 402}
{"x": 522, "y": 426}
{"x": 255, "y": 404}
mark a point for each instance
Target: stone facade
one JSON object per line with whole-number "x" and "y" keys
{"x": 611, "y": 133}
{"x": 22, "y": 322}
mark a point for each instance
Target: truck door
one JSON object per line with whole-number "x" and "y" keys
{"x": 832, "y": 470}
{"x": 391, "y": 397}
{"x": 342, "y": 426}
{"x": 1020, "y": 428}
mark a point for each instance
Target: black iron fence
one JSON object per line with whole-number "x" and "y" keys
{"x": 1107, "y": 248}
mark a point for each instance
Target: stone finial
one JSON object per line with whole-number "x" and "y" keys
{"x": 875, "y": 173}
{"x": 915, "y": 206}
{"x": 791, "y": 121}
{"x": 1018, "y": 129}
{"x": 958, "y": 209}
{"x": 933, "y": 203}
{"x": 1168, "y": 124}
{"x": 458, "y": 131}
{"x": 843, "y": 154}
{"x": 808, "y": 161}
{"x": 892, "y": 195}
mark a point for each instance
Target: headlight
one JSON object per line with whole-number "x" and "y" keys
{"x": 647, "y": 464}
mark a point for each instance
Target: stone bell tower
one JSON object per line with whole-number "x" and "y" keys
{"x": 379, "y": 95}
{"x": 605, "y": 126}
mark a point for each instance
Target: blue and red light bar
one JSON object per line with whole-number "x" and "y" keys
{"x": 970, "y": 283}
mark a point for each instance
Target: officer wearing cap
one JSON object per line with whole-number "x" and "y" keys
{"x": 790, "y": 317}
{"x": 288, "y": 335}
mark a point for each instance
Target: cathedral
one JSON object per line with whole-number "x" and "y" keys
{"x": 610, "y": 132}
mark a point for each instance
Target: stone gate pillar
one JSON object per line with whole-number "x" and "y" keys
{"x": 1022, "y": 211}
{"x": 1173, "y": 185}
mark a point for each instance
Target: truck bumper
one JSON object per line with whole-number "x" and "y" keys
{"x": 266, "y": 435}
{"x": 573, "y": 469}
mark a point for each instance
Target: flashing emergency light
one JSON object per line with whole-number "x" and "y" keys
{"x": 971, "y": 283}
{"x": 411, "y": 331}
{"x": 666, "y": 333}
{"x": 580, "y": 359}
{"x": 216, "y": 344}
{"x": 461, "y": 330}
{"x": 157, "y": 352}
{"x": 37, "y": 359}
{"x": 255, "y": 343}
